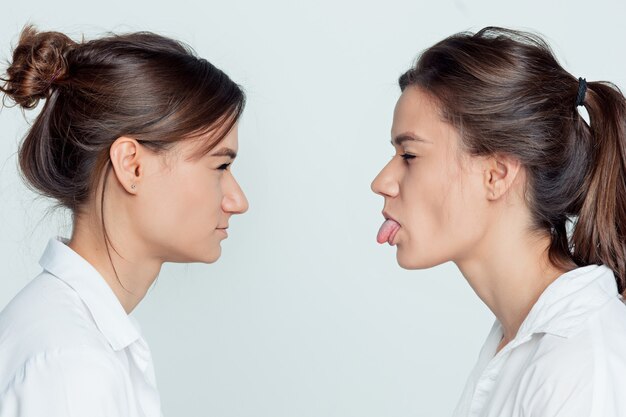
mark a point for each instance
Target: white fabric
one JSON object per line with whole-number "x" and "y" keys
{"x": 568, "y": 358}
{"x": 68, "y": 348}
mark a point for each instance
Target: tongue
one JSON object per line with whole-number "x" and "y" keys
{"x": 387, "y": 230}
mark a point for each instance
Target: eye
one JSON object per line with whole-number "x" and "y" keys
{"x": 407, "y": 156}
{"x": 223, "y": 166}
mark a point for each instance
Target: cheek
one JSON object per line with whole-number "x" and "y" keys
{"x": 198, "y": 199}
{"x": 186, "y": 203}
{"x": 461, "y": 212}
{"x": 426, "y": 195}
{"x": 442, "y": 210}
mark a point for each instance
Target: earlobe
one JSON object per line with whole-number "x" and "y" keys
{"x": 125, "y": 153}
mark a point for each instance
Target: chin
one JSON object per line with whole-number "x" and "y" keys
{"x": 408, "y": 260}
{"x": 209, "y": 255}
{"x": 213, "y": 257}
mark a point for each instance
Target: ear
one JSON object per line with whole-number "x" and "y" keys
{"x": 499, "y": 174}
{"x": 126, "y": 157}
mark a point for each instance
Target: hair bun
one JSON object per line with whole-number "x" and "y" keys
{"x": 38, "y": 62}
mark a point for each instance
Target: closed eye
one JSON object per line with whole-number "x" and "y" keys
{"x": 407, "y": 156}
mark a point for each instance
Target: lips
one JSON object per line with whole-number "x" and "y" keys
{"x": 223, "y": 230}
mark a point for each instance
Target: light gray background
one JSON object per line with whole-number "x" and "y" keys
{"x": 304, "y": 314}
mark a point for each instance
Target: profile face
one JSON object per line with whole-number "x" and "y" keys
{"x": 187, "y": 204}
{"x": 432, "y": 190}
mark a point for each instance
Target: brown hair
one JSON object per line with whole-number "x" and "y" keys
{"x": 506, "y": 93}
{"x": 141, "y": 84}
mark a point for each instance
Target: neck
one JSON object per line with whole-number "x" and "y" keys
{"x": 509, "y": 270}
{"x": 133, "y": 274}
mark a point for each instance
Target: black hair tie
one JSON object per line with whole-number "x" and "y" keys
{"x": 582, "y": 88}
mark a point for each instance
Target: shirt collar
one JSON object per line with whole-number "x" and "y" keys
{"x": 569, "y": 300}
{"x": 110, "y": 317}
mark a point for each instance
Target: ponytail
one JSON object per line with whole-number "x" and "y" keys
{"x": 599, "y": 235}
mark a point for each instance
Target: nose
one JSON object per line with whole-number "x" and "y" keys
{"x": 234, "y": 200}
{"x": 385, "y": 184}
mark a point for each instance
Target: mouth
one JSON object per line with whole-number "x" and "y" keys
{"x": 387, "y": 216}
{"x": 388, "y": 230}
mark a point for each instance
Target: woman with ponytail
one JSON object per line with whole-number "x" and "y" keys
{"x": 497, "y": 170}
{"x": 135, "y": 137}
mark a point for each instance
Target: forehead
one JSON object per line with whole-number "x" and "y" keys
{"x": 228, "y": 141}
{"x": 231, "y": 139}
{"x": 196, "y": 147}
{"x": 418, "y": 113}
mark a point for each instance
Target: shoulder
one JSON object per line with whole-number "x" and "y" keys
{"x": 579, "y": 375}
{"x": 71, "y": 382}
{"x": 46, "y": 315}
{"x": 43, "y": 295}
{"x": 45, "y": 303}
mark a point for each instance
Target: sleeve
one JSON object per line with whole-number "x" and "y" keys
{"x": 564, "y": 395}
{"x": 572, "y": 382}
{"x": 77, "y": 383}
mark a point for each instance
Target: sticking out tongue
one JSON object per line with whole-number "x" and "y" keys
{"x": 387, "y": 231}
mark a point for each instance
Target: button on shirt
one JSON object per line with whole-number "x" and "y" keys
{"x": 68, "y": 348}
{"x": 568, "y": 358}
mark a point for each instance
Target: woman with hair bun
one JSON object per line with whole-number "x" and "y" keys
{"x": 135, "y": 137}
{"x": 497, "y": 171}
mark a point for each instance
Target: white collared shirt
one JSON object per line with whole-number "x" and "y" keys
{"x": 68, "y": 348}
{"x": 568, "y": 358}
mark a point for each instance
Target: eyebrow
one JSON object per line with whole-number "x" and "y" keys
{"x": 225, "y": 152}
{"x": 403, "y": 137}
